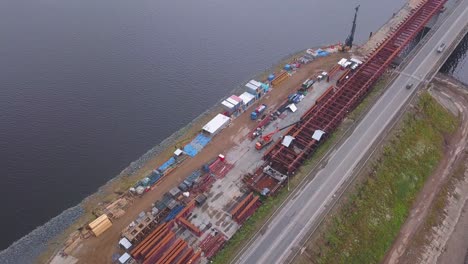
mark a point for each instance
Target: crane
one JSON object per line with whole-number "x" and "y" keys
{"x": 349, "y": 40}
{"x": 267, "y": 139}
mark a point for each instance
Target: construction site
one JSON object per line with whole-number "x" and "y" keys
{"x": 185, "y": 209}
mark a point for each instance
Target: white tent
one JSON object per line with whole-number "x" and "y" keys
{"x": 124, "y": 258}
{"x": 287, "y": 141}
{"x": 318, "y": 135}
{"x": 125, "y": 243}
{"x": 216, "y": 124}
{"x": 178, "y": 152}
{"x": 293, "y": 107}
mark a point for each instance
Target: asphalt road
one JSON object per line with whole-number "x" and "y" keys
{"x": 276, "y": 241}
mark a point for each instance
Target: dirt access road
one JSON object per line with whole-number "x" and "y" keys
{"x": 100, "y": 250}
{"x": 455, "y": 101}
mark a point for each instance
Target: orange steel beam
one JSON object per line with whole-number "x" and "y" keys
{"x": 190, "y": 226}
{"x": 195, "y": 258}
{"x": 169, "y": 252}
{"x": 147, "y": 240}
{"x": 186, "y": 210}
{"x": 241, "y": 204}
{"x": 171, "y": 258}
{"x": 161, "y": 235}
{"x": 247, "y": 208}
{"x": 158, "y": 247}
{"x": 186, "y": 256}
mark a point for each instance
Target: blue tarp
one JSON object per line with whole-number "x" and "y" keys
{"x": 197, "y": 144}
{"x": 190, "y": 150}
{"x": 154, "y": 177}
{"x": 166, "y": 164}
{"x": 322, "y": 53}
{"x": 173, "y": 213}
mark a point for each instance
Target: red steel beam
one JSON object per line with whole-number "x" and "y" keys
{"x": 332, "y": 107}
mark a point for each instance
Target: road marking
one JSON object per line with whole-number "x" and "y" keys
{"x": 287, "y": 207}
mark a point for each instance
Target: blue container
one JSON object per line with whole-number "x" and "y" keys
{"x": 271, "y": 77}
{"x": 287, "y": 67}
{"x": 253, "y": 115}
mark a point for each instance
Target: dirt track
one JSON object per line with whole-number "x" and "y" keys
{"x": 100, "y": 250}
{"x": 453, "y": 100}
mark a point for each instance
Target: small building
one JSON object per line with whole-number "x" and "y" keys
{"x": 252, "y": 89}
{"x": 125, "y": 258}
{"x": 175, "y": 192}
{"x": 247, "y": 98}
{"x": 216, "y": 124}
{"x": 125, "y": 244}
{"x": 229, "y": 107}
{"x": 236, "y": 101}
{"x": 256, "y": 83}
{"x": 255, "y": 88}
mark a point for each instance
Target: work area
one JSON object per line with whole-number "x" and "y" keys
{"x": 195, "y": 219}
{"x": 200, "y": 196}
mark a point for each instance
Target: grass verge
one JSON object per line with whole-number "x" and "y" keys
{"x": 363, "y": 230}
{"x": 436, "y": 214}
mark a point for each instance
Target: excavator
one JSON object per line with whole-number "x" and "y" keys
{"x": 268, "y": 138}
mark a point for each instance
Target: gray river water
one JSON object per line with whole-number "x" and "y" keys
{"x": 89, "y": 86}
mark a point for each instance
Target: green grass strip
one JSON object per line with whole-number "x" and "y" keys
{"x": 369, "y": 222}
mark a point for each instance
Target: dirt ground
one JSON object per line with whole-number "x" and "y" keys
{"x": 100, "y": 250}
{"x": 456, "y": 249}
{"x": 402, "y": 250}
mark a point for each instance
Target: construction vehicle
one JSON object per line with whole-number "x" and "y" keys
{"x": 350, "y": 39}
{"x": 258, "y": 111}
{"x": 268, "y": 138}
{"x": 307, "y": 84}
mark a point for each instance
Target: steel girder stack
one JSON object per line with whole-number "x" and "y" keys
{"x": 333, "y": 106}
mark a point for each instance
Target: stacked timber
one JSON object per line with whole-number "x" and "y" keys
{"x": 100, "y": 225}
{"x": 280, "y": 78}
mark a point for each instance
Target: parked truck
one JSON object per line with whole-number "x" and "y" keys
{"x": 258, "y": 112}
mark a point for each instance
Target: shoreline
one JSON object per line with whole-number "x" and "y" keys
{"x": 73, "y": 217}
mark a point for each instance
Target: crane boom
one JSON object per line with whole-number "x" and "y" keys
{"x": 350, "y": 38}
{"x": 267, "y": 139}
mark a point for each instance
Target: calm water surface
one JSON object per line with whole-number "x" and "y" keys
{"x": 88, "y": 86}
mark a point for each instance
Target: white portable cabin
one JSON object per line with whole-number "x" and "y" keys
{"x": 233, "y": 102}
{"x": 247, "y": 98}
{"x": 216, "y": 124}
{"x": 252, "y": 89}
{"x": 125, "y": 258}
{"x": 228, "y": 106}
{"x": 256, "y": 83}
{"x": 125, "y": 243}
